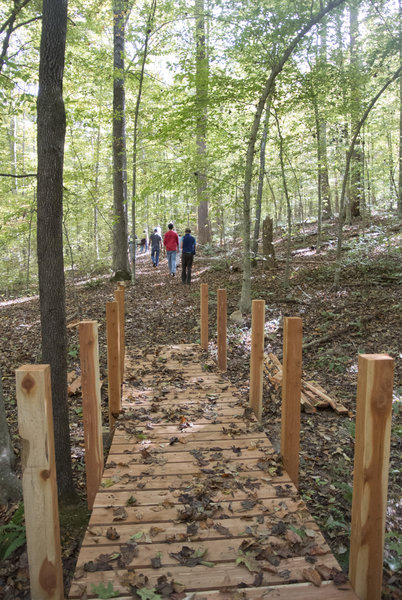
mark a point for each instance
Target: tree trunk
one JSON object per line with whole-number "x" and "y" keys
{"x": 400, "y": 116}
{"x": 268, "y": 250}
{"x": 355, "y": 110}
{"x": 51, "y": 135}
{"x": 135, "y": 134}
{"x": 201, "y": 83}
{"x": 10, "y": 485}
{"x": 288, "y": 205}
{"x": 254, "y": 245}
{"x": 120, "y": 263}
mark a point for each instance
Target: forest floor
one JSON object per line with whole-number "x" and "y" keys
{"x": 363, "y": 316}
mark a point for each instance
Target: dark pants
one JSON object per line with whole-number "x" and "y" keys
{"x": 186, "y": 265}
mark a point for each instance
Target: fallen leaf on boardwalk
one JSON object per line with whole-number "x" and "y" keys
{"x": 95, "y": 531}
{"x": 313, "y": 576}
{"x": 190, "y": 557}
{"x": 119, "y": 514}
{"x": 156, "y": 562}
{"x": 247, "y": 505}
{"x": 248, "y": 559}
{"x": 324, "y": 571}
{"x": 338, "y": 576}
{"x": 293, "y": 537}
{"x": 111, "y": 533}
{"x": 137, "y": 536}
{"x": 128, "y": 552}
{"x": 131, "y": 501}
{"x": 222, "y": 530}
{"x": 153, "y": 532}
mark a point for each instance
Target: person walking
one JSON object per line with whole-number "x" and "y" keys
{"x": 171, "y": 243}
{"x": 188, "y": 252}
{"x": 156, "y": 245}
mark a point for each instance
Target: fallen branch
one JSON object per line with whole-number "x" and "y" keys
{"x": 337, "y": 332}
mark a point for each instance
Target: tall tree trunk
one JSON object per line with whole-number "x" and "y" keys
{"x": 288, "y": 205}
{"x": 135, "y": 134}
{"x": 400, "y": 116}
{"x": 258, "y": 204}
{"x": 120, "y": 265}
{"x": 355, "y": 111}
{"x": 201, "y": 84}
{"x": 245, "y": 299}
{"x": 51, "y": 121}
{"x": 322, "y": 139}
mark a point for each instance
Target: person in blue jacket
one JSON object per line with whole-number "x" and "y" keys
{"x": 187, "y": 256}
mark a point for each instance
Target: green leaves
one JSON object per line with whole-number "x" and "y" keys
{"x": 105, "y": 592}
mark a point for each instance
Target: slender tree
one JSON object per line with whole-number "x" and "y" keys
{"x": 148, "y": 32}
{"x": 258, "y": 204}
{"x": 120, "y": 260}
{"x": 51, "y": 130}
{"x": 201, "y": 78}
{"x": 400, "y": 116}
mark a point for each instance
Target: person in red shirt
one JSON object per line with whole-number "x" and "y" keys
{"x": 171, "y": 243}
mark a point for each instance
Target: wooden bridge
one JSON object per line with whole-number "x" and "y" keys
{"x": 194, "y": 500}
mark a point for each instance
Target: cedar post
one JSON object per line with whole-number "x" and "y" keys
{"x": 370, "y": 480}
{"x": 119, "y": 297}
{"x": 222, "y": 326}
{"x": 257, "y": 356}
{"x": 113, "y": 361}
{"x": 291, "y": 391}
{"x": 91, "y": 407}
{"x": 35, "y": 419}
{"x": 204, "y": 316}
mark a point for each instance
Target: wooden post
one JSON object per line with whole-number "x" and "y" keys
{"x": 119, "y": 297}
{"x": 257, "y": 356}
{"x": 291, "y": 391}
{"x": 370, "y": 480}
{"x": 113, "y": 362}
{"x": 204, "y": 316}
{"x": 222, "y": 326}
{"x": 35, "y": 419}
{"x": 91, "y": 407}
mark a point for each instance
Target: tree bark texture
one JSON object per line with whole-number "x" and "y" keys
{"x": 356, "y": 164}
{"x": 10, "y": 485}
{"x": 51, "y": 135}
{"x": 258, "y": 205}
{"x": 120, "y": 261}
{"x": 201, "y": 79}
{"x": 400, "y": 116}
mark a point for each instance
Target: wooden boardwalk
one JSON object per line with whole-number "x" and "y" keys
{"x": 194, "y": 502}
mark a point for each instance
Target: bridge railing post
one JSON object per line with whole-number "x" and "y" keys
{"x": 91, "y": 407}
{"x": 39, "y": 485}
{"x": 370, "y": 479}
{"x": 257, "y": 356}
{"x": 291, "y": 391}
{"x": 113, "y": 360}
{"x": 119, "y": 296}
{"x": 222, "y": 330}
{"x": 204, "y": 316}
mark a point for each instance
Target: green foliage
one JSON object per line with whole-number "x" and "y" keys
{"x": 347, "y": 490}
{"x": 12, "y": 534}
{"x": 330, "y": 361}
{"x": 105, "y": 592}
